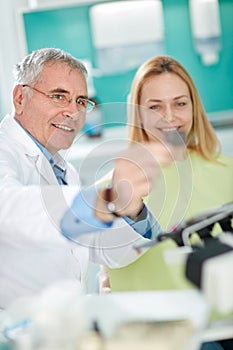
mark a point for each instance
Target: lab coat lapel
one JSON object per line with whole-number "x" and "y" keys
{"x": 72, "y": 177}
{"x": 30, "y": 149}
{"x": 33, "y": 153}
{"x": 45, "y": 170}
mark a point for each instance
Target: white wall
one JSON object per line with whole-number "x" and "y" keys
{"x": 225, "y": 136}
{"x": 9, "y": 50}
{"x": 12, "y": 42}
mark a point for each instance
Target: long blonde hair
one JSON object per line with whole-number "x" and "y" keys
{"x": 202, "y": 137}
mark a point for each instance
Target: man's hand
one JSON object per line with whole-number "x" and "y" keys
{"x": 134, "y": 173}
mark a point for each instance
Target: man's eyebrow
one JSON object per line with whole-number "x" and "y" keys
{"x": 82, "y": 96}
{"x": 61, "y": 90}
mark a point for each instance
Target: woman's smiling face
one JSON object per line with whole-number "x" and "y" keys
{"x": 165, "y": 105}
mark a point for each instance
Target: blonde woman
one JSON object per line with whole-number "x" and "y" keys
{"x": 163, "y": 98}
{"x": 204, "y": 179}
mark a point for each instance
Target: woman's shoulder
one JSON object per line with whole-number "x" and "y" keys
{"x": 225, "y": 159}
{"x": 220, "y": 158}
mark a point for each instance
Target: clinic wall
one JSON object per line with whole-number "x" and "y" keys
{"x": 9, "y": 51}
{"x": 69, "y": 28}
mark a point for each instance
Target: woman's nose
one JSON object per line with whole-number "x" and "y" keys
{"x": 169, "y": 114}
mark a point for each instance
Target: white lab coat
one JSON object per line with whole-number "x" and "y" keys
{"x": 33, "y": 252}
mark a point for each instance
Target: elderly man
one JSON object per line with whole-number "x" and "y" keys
{"x": 40, "y": 194}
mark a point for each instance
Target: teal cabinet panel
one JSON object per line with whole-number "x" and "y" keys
{"x": 66, "y": 28}
{"x": 69, "y": 28}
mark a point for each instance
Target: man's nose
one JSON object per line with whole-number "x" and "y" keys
{"x": 74, "y": 111}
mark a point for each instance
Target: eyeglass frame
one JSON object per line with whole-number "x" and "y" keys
{"x": 67, "y": 101}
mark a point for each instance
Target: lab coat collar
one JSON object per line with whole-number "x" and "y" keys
{"x": 13, "y": 130}
{"x": 11, "y": 127}
{"x": 44, "y": 168}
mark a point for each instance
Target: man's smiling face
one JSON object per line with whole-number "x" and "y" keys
{"x": 55, "y": 127}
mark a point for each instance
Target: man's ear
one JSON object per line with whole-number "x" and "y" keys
{"x": 18, "y": 98}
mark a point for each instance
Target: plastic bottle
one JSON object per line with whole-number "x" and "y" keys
{"x": 206, "y": 29}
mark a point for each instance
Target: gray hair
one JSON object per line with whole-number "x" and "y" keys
{"x": 28, "y": 70}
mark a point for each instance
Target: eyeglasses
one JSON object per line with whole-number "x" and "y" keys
{"x": 62, "y": 100}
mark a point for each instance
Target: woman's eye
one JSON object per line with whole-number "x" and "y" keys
{"x": 181, "y": 104}
{"x": 155, "y": 107}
